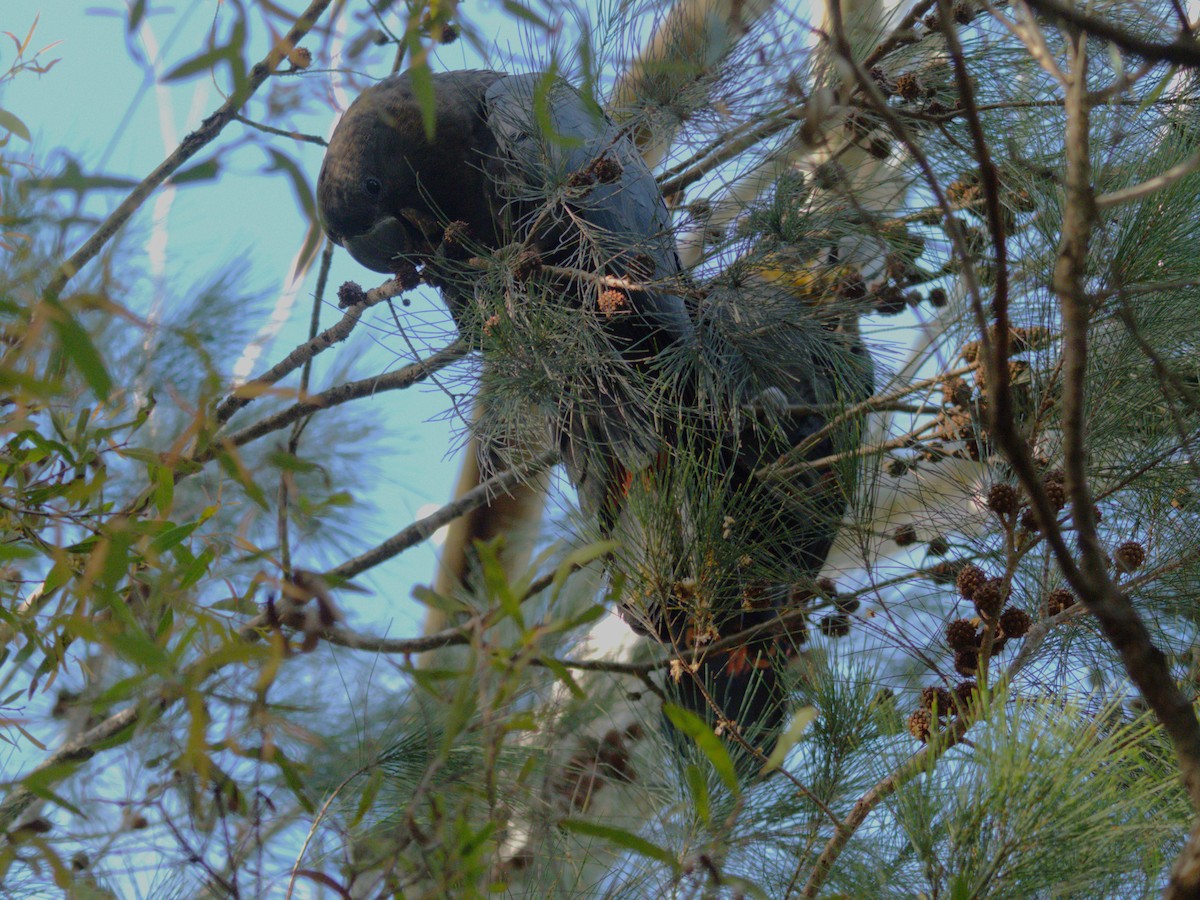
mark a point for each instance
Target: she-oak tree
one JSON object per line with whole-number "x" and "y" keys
{"x": 993, "y": 683}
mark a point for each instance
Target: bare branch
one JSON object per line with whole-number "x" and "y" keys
{"x": 335, "y": 334}
{"x": 406, "y": 377}
{"x": 1182, "y": 51}
{"x": 421, "y": 529}
{"x": 189, "y": 147}
{"x": 1150, "y": 185}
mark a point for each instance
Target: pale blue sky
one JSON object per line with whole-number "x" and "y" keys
{"x": 108, "y": 110}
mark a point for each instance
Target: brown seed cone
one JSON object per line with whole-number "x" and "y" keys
{"x": 905, "y": 535}
{"x": 612, "y": 302}
{"x": 528, "y": 262}
{"x": 1129, "y": 556}
{"x": 966, "y": 662}
{"x": 945, "y": 572}
{"x": 960, "y": 635}
{"x": 1029, "y": 521}
{"x": 1054, "y": 484}
{"x": 967, "y": 692}
{"x": 1002, "y": 499}
{"x": 1058, "y": 600}
{"x": 956, "y": 392}
{"x": 606, "y": 169}
{"x": 937, "y": 546}
{"x": 852, "y": 287}
{"x": 835, "y": 626}
{"x": 963, "y": 190}
{"x": 937, "y": 698}
{"x": 1014, "y": 622}
{"x": 880, "y": 77}
{"x": 920, "y": 724}
{"x": 847, "y": 605}
{"x": 908, "y": 86}
{"x": 880, "y": 147}
{"x": 890, "y": 300}
{"x": 456, "y": 233}
{"x": 969, "y": 580}
{"x": 990, "y": 596}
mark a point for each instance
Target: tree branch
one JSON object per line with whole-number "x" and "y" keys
{"x": 189, "y": 147}
{"x": 246, "y": 393}
{"x": 1183, "y": 51}
{"x": 402, "y": 378}
{"x": 423, "y": 528}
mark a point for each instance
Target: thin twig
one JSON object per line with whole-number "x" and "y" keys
{"x": 863, "y": 807}
{"x": 293, "y": 445}
{"x": 1123, "y": 627}
{"x": 279, "y": 132}
{"x": 1150, "y": 185}
{"x": 1182, "y": 51}
{"x": 876, "y": 403}
{"x": 402, "y": 378}
{"x": 189, "y": 147}
{"x": 422, "y": 528}
{"x": 335, "y": 334}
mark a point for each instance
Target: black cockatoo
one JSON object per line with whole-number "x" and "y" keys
{"x": 551, "y": 244}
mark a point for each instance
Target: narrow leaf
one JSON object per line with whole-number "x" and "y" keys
{"x": 622, "y": 838}
{"x": 706, "y": 739}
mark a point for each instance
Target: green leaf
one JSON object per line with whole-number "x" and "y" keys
{"x": 77, "y": 346}
{"x": 173, "y": 536}
{"x": 564, "y": 676}
{"x": 289, "y": 462}
{"x": 201, "y": 62}
{"x": 706, "y": 739}
{"x": 295, "y": 779}
{"x": 206, "y": 170}
{"x": 38, "y": 783}
{"x": 798, "y": 724}
{"x": 60, "y": 573}
{"x": 369, "y": 793}
{"x": 622, "y": 838}
{"x": 458, "y": 714}
{"x": 593, "y": 613}
{"x": 422, "y": 86}
{"x": 239, "y": 605}
{"x": 698, "y": 787}
{"x": 135, "y": 646}
{"x": 427, "y": 596}
{"x": 141, "y": 454}
{"x": 577, "y": 559}
{"x": 1157, "y": 92}
{"x": 137, "y": 11}
{"x": 523, "y": 13}
{"x": 164, "y": 489}
{"x": 11, "y": 123}
{"x": 281, "y": 162}
{"x": 198, "y": 568}
{"x": 496, "y": 579}
{"x": 231, "y": 464}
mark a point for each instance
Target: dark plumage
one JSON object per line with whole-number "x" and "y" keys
{"x": 387, "y": 192}
{"x": 676, "y": 404}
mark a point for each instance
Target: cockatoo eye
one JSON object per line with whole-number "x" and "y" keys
{"x": 372, "y": 185}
